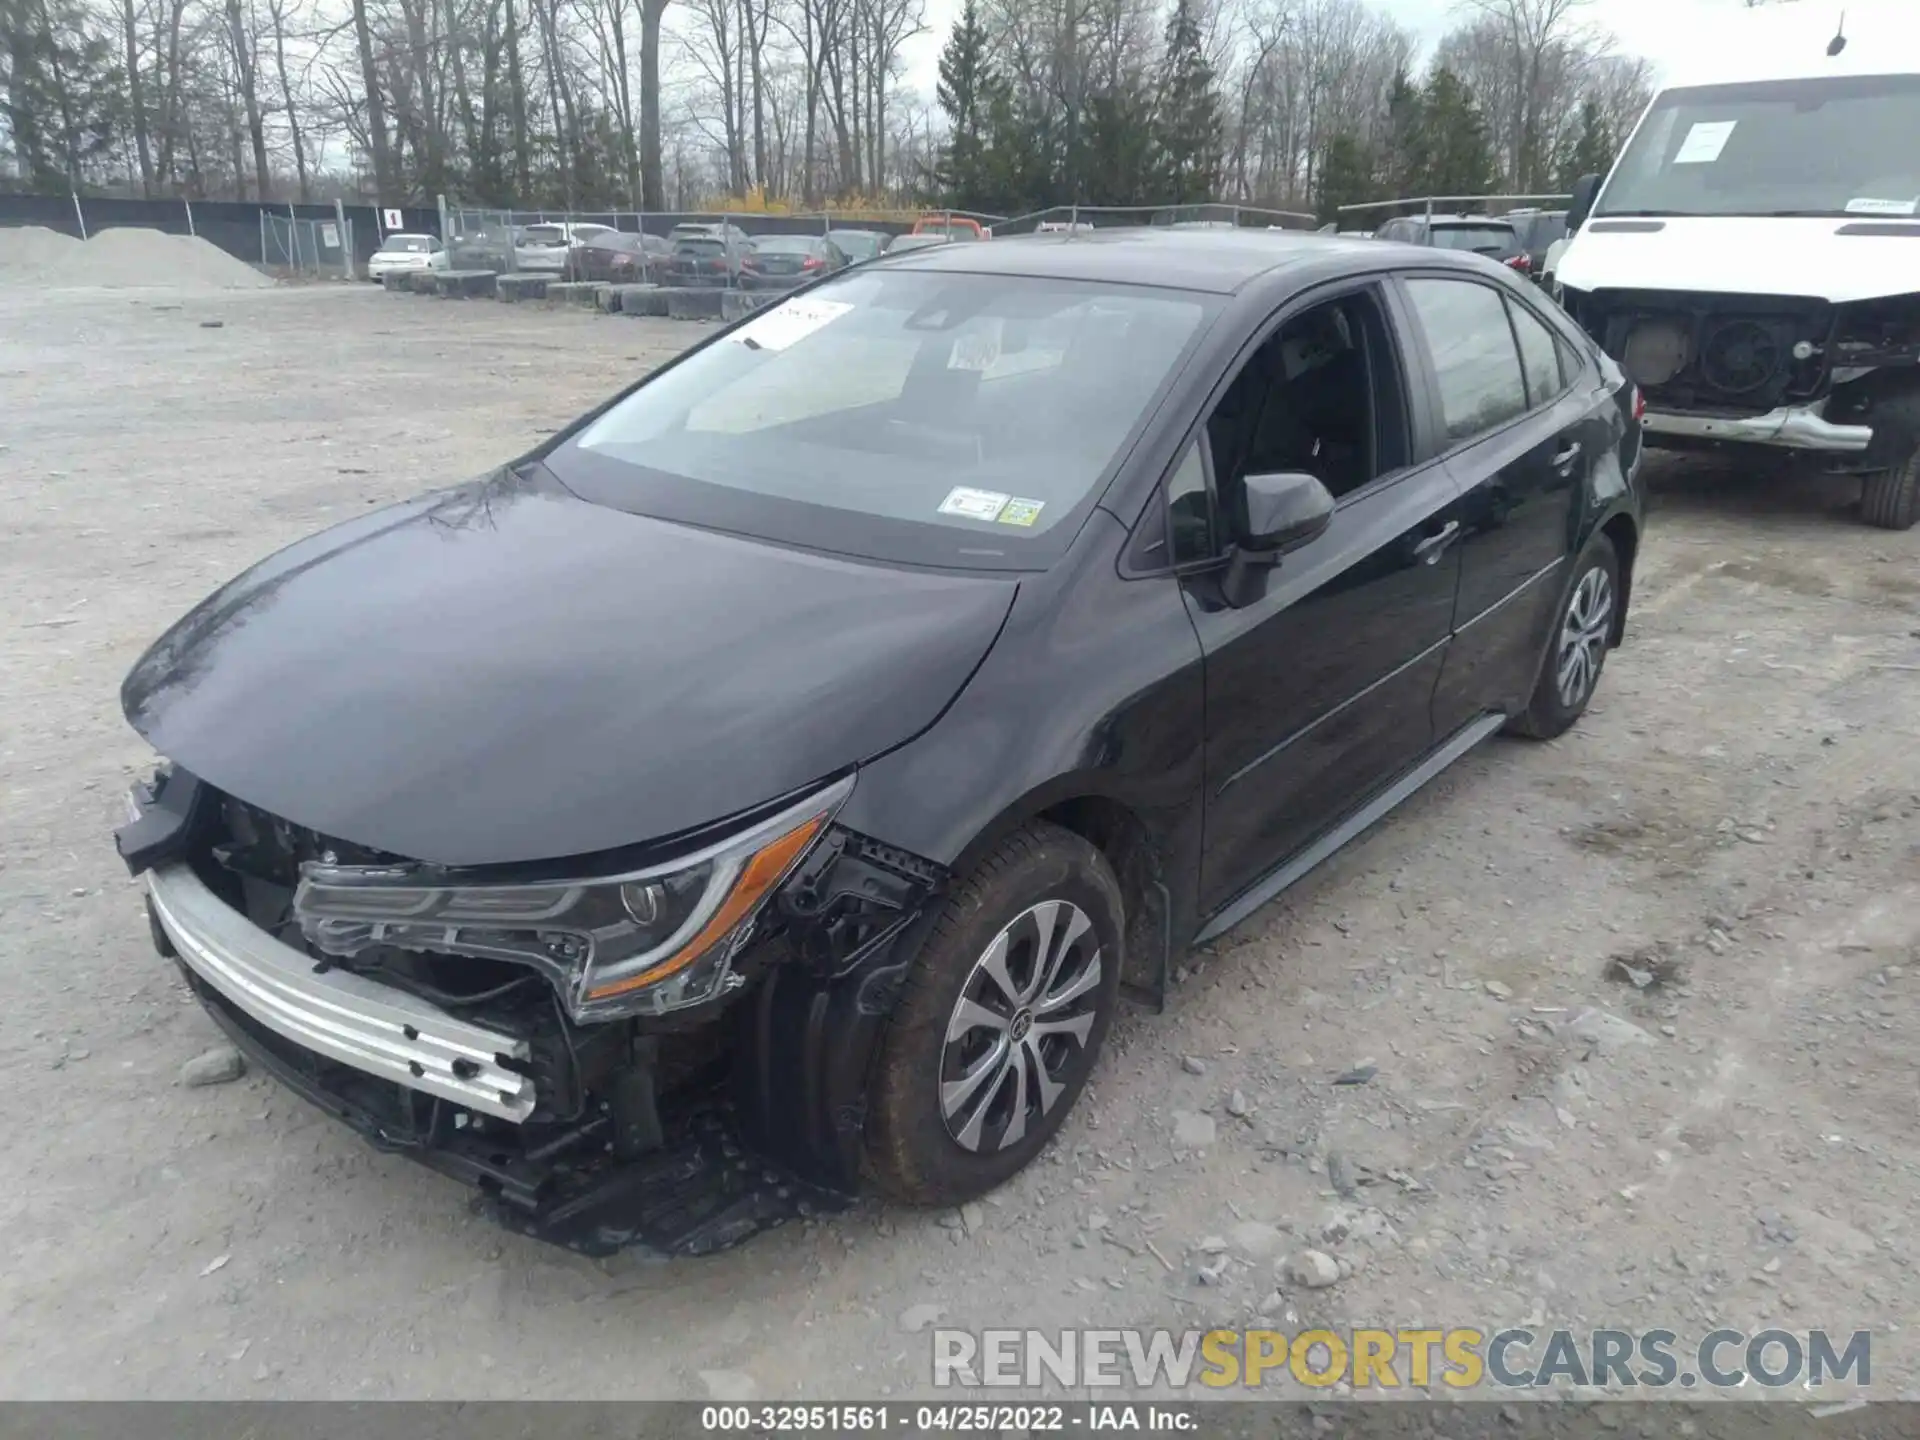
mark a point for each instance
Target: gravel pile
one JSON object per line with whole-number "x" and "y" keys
{"x": 122, "y": 258}
{"x": 29, "y": 251}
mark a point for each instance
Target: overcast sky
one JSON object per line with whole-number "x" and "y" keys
{"x": 1661, "y": 30}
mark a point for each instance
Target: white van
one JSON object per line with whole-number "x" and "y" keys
{"x": 1753, "y": 258}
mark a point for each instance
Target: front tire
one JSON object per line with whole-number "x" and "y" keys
{"x": 1581, "y": 636}
{"x": 1891, "y": 497}
{"x": 1000, "y": 1022}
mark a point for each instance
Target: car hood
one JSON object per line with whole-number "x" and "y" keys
{"x": 1834, "y": 259}
{"x": 503, "y": 672}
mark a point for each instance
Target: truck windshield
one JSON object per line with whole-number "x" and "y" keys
{"x": 1841, "y": 146}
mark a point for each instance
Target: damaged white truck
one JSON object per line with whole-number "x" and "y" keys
{"x": 1753, "y": 258}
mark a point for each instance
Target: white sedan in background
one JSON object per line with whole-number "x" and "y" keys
{"x": 406, "y": 252}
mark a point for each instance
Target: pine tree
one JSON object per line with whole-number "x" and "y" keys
{"x": 1346, "y": 176}
{"x": 1406, "y": 164}
{"x": 1187, "y": 130}
{"x": 1459, "y": 159}
{"x": 61, "y": 92}
{"x": 1593, "y": 149}
{"x": 966, "y": 91}
{"x": 1118, "y": 148}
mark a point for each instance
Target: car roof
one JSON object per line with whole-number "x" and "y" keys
{"x": 1216, "y": 261}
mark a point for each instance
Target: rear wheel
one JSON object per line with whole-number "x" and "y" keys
{"x": 1000, "y": 1022}
{"x": 1581, "y": 637}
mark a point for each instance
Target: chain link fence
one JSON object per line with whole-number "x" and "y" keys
{"x": 1210, "y": 215}
{"x": 292, "y": 246}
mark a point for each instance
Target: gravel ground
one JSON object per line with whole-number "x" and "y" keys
{"x": 1737, "y": 820}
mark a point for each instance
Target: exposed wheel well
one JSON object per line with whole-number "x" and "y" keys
{"x": 1117, "y": 833}
{"x": 1626, "y": 542}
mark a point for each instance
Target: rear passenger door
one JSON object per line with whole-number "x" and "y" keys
{"x": 1514, "y": 429}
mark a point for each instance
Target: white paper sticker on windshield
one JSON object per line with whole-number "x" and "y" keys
{"x": 790, "y": 320}
{"x": 1704, "y": 142}
{"x": 978, "y": 349}
{"x": 1870, "y": 206}
{"x": 1022, "y": 512}
{"x": 973, "y": 504}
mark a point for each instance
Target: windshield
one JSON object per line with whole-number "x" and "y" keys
{"x": 969, "y": 415}
{"x": 1488, "y": 239}
{"x": 783, "y": 244}
{"x": 409, "y": 244}
{"x": 1841, "y": 146}
{"x": 1537, "y": 232}
{"x": 856, "y": 244}
{"x": 544, "y": 235}
{"x": 699, "y": 245}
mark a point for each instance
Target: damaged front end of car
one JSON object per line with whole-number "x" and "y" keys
{"x": 663, "y": 1048}
{"x": 1838, "y": 382}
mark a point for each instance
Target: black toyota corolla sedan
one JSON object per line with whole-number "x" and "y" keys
{"x": 769, "y": 787}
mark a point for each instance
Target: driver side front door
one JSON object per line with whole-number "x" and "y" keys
{"x": 1320, "y": 692}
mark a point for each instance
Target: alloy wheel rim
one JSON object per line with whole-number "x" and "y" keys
{"x": 1017, "y": 1037}
{"x": 1583, "y": 637}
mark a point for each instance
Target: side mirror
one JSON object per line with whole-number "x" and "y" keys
{"x": 1584, "y": 190}
{"x": 1284, "y": 512}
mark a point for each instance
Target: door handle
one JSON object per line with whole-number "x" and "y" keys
{"x": 1567, "y": 456}
{"x": 1431, "y": 548}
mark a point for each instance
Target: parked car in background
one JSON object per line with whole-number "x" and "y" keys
{"x": 900, "y": 244}
{"x": 705, "y": 254}
{"x": 543, "y": 248}
{"x": 491, "y": 247}
{"x": 1538, "y": 232}
{"x": 779, "y": 262}
{"x": 1482, "y": 234}
{"x": 705, "y": 230}
{"x": 400, "y": 252}
{"x": 618, "y": 256}
{"x": 1063, "y": 227}
{"x": 858, "y": 245}
{"x": 951, "y": 227}
{"x": 809, "y": 743}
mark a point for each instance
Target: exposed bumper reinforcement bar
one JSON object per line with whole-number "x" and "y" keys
{"x": 1791, "y": 427}
{"x": 345, "y": 1017}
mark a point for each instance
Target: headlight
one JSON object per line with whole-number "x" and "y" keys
{"x": 646, "y": 941}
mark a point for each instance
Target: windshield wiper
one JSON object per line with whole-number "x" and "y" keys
{"x": 1650, "y": 215}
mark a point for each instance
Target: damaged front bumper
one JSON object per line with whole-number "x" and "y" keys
{"x": 1791, "y": 427}
{"x": 335, "y": 1013}
{"x": 676, "y": 1135}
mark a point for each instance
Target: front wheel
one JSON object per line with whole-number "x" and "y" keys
{"x": 1891, "y": 498}
{"x": 1581, "y": 636}
{"x": 1000, "y": 1022}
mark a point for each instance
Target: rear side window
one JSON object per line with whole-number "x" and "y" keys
{"x": 1474, "y": 358}
{"x": 1539, "y": 356}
